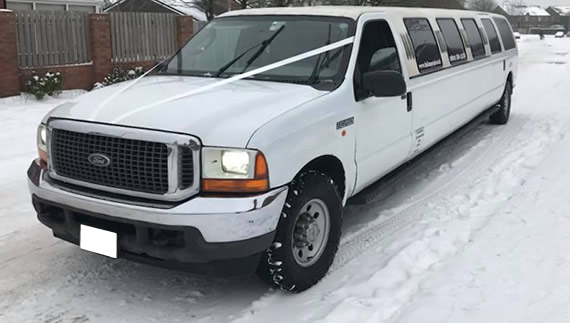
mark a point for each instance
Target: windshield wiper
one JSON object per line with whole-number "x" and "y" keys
{"x": 319, "y": 65}
{"x": 263, "y": 44}
{"x": 232, "y": 62}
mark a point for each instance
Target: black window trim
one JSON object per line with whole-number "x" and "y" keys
{"x": 466, "y": 60}
{"x": 501, "y": 46}
{"x": 469, "y": 41}
{"x": 398, "y": 51}
{"x": 432, "y": 69}
{"x": 511, "y": 32}
{"x": 466, "y": 43}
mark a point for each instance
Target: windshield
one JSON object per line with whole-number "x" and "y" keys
{"x": 229, "y": 46}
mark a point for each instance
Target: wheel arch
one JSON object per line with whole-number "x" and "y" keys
{"x": 331, "y": 166}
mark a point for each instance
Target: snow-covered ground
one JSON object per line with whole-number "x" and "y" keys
{"x": 479, "y": 233}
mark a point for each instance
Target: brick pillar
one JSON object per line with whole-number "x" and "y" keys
{"x": 184, "y": 29}
{"x": 2, "y": 4}
{"x": 101, "y": 51}
{"x": 9, "y": 65}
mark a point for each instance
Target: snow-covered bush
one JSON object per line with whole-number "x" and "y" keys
{"x": 120, "y": 75}
{"x": 48, "y": 84}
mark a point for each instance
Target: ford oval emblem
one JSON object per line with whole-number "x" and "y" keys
{"x": 99, "y": 160}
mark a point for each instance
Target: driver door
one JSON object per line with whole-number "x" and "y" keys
{"x": 384, "y": 135}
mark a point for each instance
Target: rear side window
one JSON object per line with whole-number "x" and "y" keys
{"x": 455, "y": 48}
{"x": 474, "y": 37}
{"x": 425, "y": 46}
{"x": 505, "y": 32}
{"x": 492, "y": 35}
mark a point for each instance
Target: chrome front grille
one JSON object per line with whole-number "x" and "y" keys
{"x": 186, "y": 167}
{"x": 136, "y": 162}
{"x": 136, "y": 165}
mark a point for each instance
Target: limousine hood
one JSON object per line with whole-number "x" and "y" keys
{"x": 225, "y": 116}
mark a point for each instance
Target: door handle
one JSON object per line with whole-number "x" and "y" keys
{"x": 409, "y": 101}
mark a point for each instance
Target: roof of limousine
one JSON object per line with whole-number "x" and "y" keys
{"x": 349, "y": 12}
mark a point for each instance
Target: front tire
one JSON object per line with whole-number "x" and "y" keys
{"x": 502, "y": 115}
{"x": 307, "y": 237}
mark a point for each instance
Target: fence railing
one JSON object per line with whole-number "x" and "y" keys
{"x": 48, "y": 38}
{"x": 142, "y": 36}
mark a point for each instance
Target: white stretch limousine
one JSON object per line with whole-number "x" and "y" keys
{"x": 238, "y": 153}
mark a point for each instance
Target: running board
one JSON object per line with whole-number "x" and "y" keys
{"x": 386, "y": 186}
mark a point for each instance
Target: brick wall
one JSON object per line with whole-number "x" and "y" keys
{"x": 130, "y": 65}
{"x": 12, "y": 77}
{"x": 101, "y": 51}
{"x": 184, "y": 26}
{"x": 9, "y": 78}
{"x": 74, "y": 77}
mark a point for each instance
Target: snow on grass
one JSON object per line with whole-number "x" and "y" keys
{"x": 19, "y": 119}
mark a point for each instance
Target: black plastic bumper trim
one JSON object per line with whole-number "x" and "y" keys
{"x": 135, "y": 241}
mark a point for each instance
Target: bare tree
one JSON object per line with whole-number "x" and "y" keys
{"x": 244, "y": 4}
{"x": 206, "y": 5}
{"x": 483, "y": 5}
{"x": 515, "y": 7}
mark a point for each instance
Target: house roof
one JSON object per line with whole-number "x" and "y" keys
{"x": 181, "y": 7}
{"x": 523, "y": 10}
{"x": 189, "y": 8}
{"x": 535, "y": 11}
{"x": 561, "y": 10}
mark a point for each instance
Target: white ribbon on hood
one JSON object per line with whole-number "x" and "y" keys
{"x": 232, "y": 79}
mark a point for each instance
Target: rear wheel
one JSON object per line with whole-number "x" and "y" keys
{"x": 502, "y": 115}
{"x": 307, "y": 236}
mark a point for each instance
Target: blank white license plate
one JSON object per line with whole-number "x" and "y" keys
{"x": 99, "y": 241}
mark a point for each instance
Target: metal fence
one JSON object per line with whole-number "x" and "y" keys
{"x": 140, "y": 36}
{"x": 48, "y": 38}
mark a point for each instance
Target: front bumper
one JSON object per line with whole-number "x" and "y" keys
{"x": 200, "y": 230}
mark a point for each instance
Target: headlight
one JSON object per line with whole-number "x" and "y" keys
{"x": 235, "y": 162}
{"x": 42, "y": 144}
{"x": 219, "y": 163}
{"x": 234, "y": 170}
{"x": 42, "y": 137}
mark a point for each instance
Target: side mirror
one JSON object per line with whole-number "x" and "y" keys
{"x": 384, "y": 83}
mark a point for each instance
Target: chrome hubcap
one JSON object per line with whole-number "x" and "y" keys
{"x": 311, "y": 232}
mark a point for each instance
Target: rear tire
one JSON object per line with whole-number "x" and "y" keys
{"x": 307, "y": 237}
{"x": 502, "y": 115}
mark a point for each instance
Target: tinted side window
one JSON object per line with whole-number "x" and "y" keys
{"x": 377, "y": 53}
{"x": 505, "y": 32}
{"x": 475, "y": 40}
{"x": 455, "y": 48}
{"x": 425, "y": 46}
{"x": 492, "y": 35}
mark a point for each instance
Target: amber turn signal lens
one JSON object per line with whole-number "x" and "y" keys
{"x": 43, "y": 158}
{"x": 259, "y": 184}
{"x": 235, "y": 185}
{"x": 260, "y": 167}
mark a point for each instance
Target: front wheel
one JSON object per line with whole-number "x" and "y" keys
{"x": 503, "y": 113}
{"x": 307, "y": 237}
